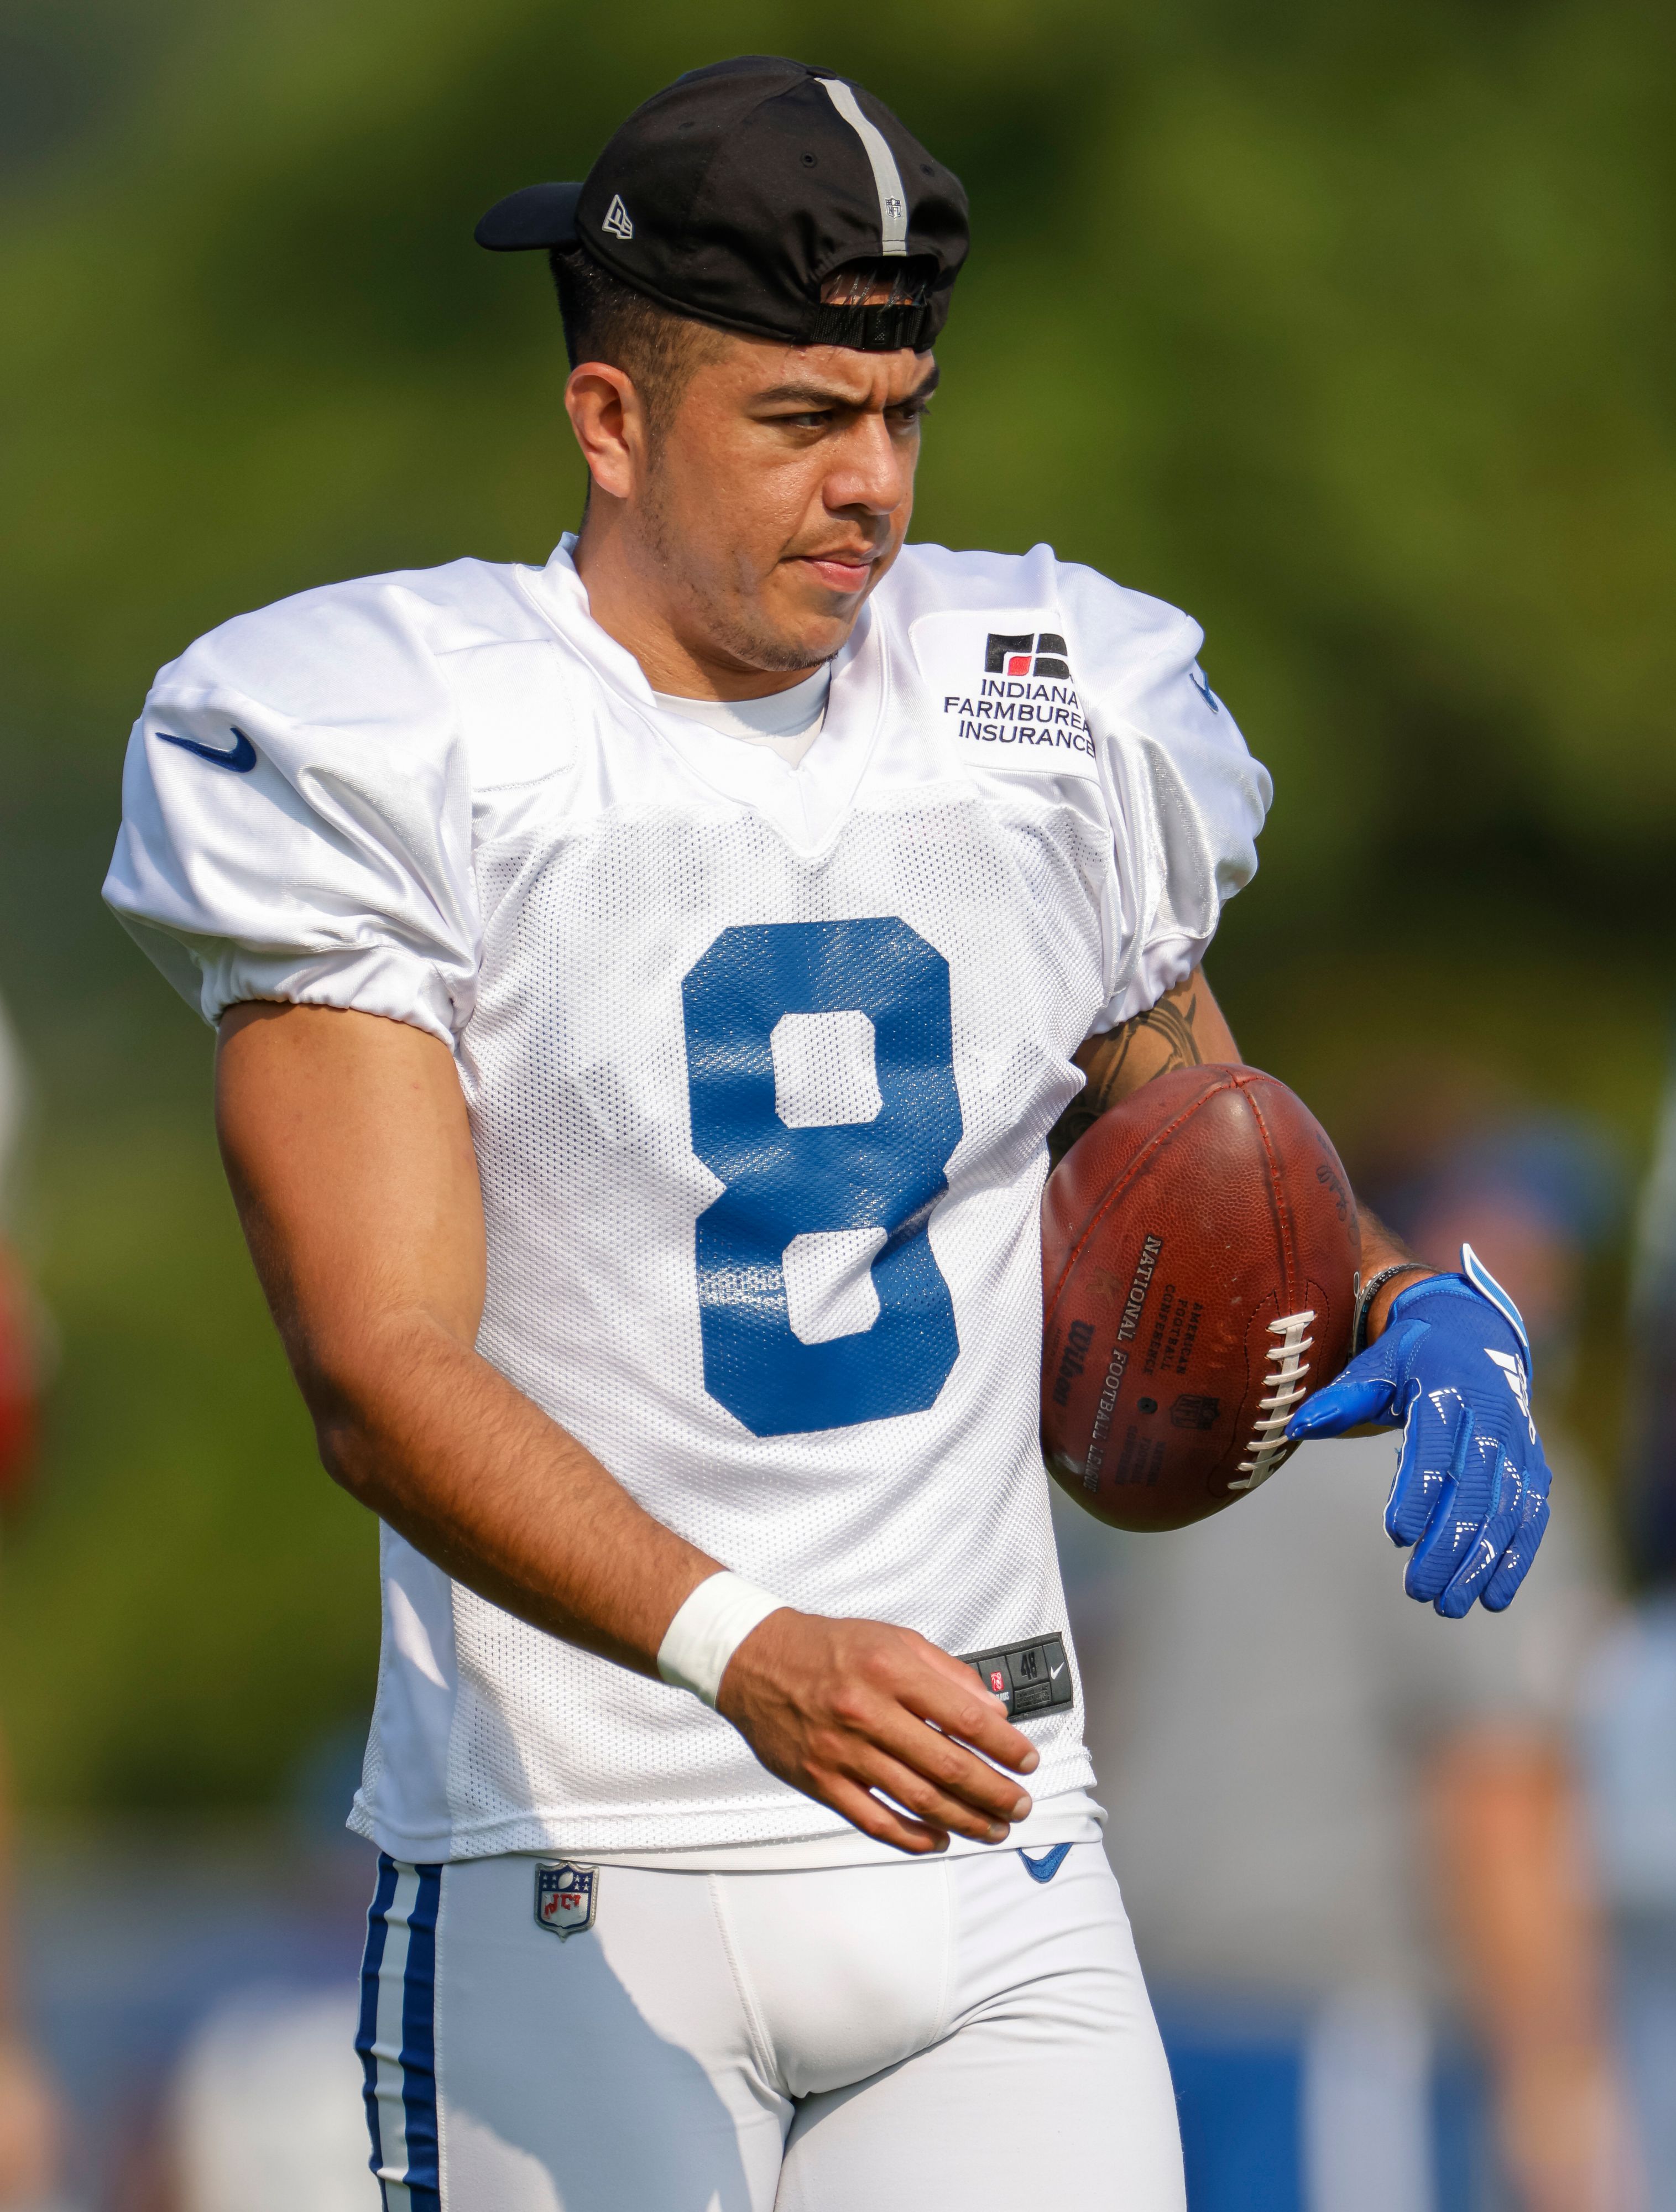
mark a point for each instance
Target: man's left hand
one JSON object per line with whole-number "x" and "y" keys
{"x": 1453, "y": 1365}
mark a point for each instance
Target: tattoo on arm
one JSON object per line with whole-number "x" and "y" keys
{"x": 1169, "y": 1024}
{"x": 1156, "y": 1042}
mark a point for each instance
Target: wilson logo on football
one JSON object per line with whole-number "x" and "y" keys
{"x": 1034, "y": 653}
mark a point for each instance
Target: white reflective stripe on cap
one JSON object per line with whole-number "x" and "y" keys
{"x": 892, "y": 200}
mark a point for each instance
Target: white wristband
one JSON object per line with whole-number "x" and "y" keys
{"x": 707, "y": 1630}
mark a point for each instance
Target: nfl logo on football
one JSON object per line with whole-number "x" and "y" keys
{"x": 565, "y": 1897}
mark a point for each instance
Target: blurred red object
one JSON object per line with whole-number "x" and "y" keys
{"x": 19, "y": 1381}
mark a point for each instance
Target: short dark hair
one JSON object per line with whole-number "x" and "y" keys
{"x": 605, "y": 319}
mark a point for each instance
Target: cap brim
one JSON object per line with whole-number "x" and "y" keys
{"x": 540, "y": 215}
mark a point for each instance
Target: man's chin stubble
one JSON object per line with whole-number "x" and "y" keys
{"x": 754, "y": 644}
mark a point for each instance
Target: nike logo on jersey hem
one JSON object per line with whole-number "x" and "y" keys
{"x": 241, "y": 759}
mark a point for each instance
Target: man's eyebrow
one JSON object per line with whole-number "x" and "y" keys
{"x": 818, "y": 395}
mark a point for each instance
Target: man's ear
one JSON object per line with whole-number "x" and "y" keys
{"x": 609, "y": 417}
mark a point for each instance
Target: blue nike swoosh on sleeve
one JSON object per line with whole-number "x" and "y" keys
{"x": 241, "y": 759}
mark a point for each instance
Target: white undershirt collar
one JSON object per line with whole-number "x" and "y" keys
{"x": 786, "y": 722}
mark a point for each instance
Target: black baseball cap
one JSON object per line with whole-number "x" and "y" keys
{"x": 735, "y": 193}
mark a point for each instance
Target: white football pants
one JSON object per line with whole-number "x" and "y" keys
{"x": 949, "y": 2035}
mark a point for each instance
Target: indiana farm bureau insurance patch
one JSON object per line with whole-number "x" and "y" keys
{"x": 1003, "y": 686}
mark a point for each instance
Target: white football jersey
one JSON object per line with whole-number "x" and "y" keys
{"x": 760, "y": 1062}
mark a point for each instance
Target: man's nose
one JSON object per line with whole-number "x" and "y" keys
{"x": 872, "y": 470}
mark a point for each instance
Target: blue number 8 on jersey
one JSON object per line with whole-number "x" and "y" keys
{"x": 884, "y": 1174}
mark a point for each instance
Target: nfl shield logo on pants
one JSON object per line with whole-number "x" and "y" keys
{"x": 564, "y": 1896}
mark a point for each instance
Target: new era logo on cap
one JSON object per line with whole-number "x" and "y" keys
{"x": 1034, "y": 653}
{"x": 766, "y": 196}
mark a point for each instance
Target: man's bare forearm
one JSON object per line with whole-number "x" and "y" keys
{"x": 380, "y": 1328}
{"x": 1381, "y": 1248}
{"x": 438, "y": 1442}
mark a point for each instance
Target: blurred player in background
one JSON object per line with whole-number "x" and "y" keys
{"x": 19, "y": 1352}
{"x": 31, "y": 2126}
{"x": 263, "y": 2113}
{"x": 1334, "y": 1828}
{"x": 1631, "y": 1699}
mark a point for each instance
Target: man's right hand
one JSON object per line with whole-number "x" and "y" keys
{"x": 840, "y": 1709}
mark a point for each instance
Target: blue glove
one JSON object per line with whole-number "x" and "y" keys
{"x": 1454, "y": 1367}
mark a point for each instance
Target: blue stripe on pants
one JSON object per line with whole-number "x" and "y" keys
{"x": 366, "y": 2033}
{"x": 397, "y": 2037}
{"x": 419, "y": 2045}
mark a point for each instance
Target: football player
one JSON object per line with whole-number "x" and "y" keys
{"x": 645, "y": 987}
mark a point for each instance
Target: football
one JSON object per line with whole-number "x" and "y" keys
{"x": 1199, "y": 1255}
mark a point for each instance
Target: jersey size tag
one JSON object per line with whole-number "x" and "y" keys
{"x": 1033, "y": 1678}
{"x": 565, "y": 1897}
{"x": 1004, "y": 690}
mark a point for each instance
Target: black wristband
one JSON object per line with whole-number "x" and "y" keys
{"x": 1368, "y": 1292}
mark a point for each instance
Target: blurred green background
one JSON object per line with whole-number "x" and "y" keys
{"x": 1350, "y": 329}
